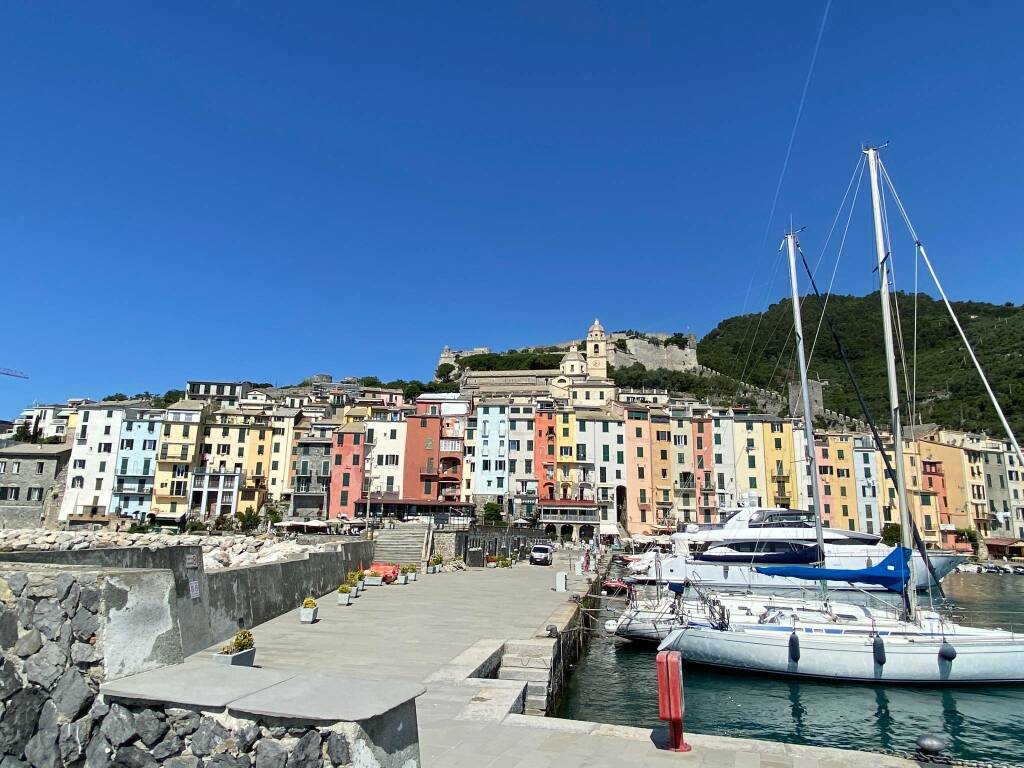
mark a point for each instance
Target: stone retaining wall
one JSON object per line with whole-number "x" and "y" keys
{"x": 63, "y": 631}
{"x": 126, "y": 735}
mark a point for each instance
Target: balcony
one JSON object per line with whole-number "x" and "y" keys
{"x": 317, "y": 489}
{"x": 127, "y": 490}
{"x": 780, "y": 477}
{"x": 450, "y": 492}
{"x": 176, "y": 453}
{"x": 429, "y": 470}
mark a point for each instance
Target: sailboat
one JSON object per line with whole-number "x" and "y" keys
{"x": 921, "y": 646}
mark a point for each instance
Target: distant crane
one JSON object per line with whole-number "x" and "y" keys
{"x": 12, "y": 372}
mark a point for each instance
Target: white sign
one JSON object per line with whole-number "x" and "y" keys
{"x": 192, "y": 560}
{"x": 193, "y": 589}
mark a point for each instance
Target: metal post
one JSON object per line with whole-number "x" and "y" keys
{"x": 910, "y": 593}
{"x": 809, "y": 452}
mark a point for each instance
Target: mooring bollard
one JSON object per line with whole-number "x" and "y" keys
{"x": 670, "y": 698}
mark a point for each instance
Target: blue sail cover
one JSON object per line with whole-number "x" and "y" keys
{"x": 893, "y": 573}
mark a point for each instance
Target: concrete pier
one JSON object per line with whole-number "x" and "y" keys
{"x": 445, "y": 629}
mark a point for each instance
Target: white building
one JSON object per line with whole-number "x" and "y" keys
{"x": 92, "y": 470}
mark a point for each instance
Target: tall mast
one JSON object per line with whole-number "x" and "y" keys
{"x": 906, "y": 522}
{"x": 809, "y": 452}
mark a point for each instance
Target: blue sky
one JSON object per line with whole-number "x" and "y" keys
{"x": 265, "y": 191}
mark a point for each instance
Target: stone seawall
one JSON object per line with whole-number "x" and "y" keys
{"x": 210, "y": 607}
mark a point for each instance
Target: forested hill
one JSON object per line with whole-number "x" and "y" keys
{"x": 949, "y": 390}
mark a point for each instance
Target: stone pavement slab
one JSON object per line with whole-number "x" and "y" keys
{"x": 207, "y": 685}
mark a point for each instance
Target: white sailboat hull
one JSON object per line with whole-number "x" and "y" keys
{"x": 996, "y": 659}
{"x": 679, "y": 568}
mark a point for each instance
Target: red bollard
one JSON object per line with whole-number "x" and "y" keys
{"x": 670, "y": 698}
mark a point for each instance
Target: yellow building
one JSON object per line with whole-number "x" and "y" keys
{"x": 235, "y": 458}
{"x": 177, "y": 452}
{"x": 843, "y": 481}
{"x": 283, "y": 422}
{"x": 780, "y": 476}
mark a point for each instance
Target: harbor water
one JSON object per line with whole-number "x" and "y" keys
{"x": 615, "y": 682}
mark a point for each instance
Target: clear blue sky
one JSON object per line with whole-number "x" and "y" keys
{"x": 265, "y": 191}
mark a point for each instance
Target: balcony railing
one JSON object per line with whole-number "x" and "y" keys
{"x": 127, "y": 490}
{"x": 780, "y": 477}
{"x": 569, "y": 516}
{"x": 168, "y": 452}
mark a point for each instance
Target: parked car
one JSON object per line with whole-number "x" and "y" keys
{"x": 542, "y": 554}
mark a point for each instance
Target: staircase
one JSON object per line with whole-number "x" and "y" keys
{"x": 402, "y": 544}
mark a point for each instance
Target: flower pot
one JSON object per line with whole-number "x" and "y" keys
{"x": 307, "y": 615}
{"x": 492, "y": 565}
{"x": 403, "y": 578}
{"x": 240, "y": 659}
{"x": 362, "y": 584}
{"x": 344, "y": 598}
{"x": 374, "y": 581}
{"x": 412, "y": 576}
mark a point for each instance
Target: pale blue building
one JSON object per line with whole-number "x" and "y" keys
{"x": 135, "y": 465}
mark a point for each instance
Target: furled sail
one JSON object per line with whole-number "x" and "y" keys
{"x": 892, "y": 573}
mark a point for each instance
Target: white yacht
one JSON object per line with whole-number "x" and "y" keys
{"x": 724, "y": 556}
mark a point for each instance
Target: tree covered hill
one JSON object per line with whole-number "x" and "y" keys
{"x": 949, "y": 390}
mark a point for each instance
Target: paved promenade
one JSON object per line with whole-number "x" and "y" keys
{"x": 437, "y": 630}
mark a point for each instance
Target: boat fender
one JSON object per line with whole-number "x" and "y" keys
{"x": 947, "y": 651}
{"x": 794, "y": 647}
{"x": 610, "y": 626}
{"x": 878, "y": 647}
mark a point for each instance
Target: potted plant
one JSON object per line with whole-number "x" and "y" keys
{"x": 374, "y": 579}
{"x": 352, "y": 581}
{"x": 344, "y": 595}
{"x": 360, "y": 580}
{"x": 403, "y": 575}
{"x": 435, "y": 562}
{"x": 239, "y": 652}
{"x": 491, "y": 561}
{"x": 307, "y": 613}
{"x": 504, "y": 562}
{"x": 411, "y": 570}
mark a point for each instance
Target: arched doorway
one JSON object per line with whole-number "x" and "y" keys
{"x": 550, "y": 531}
{"x": 586, "y": 532}
{"x": 566, "y": 532}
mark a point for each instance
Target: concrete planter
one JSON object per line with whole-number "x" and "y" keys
{"x": 403, "y": 578}
{"x": 362, "y": 584}
{"x": 239, "y": 659}
{"x": 344, "y": 598}
{"x": 491, "y": 565}
{"x": 412, "y": 576}
{"x": 307, "y": 615}
{"x": 374, "y": 581}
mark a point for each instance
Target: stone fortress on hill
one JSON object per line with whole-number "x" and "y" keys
{"x": 621, "y": 350}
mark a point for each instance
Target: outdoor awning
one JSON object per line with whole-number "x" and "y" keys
{"x": 176, "y": 518}
{"x": 609, "y": 528}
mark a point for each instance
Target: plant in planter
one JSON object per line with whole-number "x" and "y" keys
{"x": 491, "y": 561}
{"x": 239, "y": 652}
{"x": 344, "y": 594}
{"x": 504, "y": 562}
{"x": 352, "y": 582}
{"x": 403, "y": 575}
{"x": 307, "y": 613}
{"x": 434, "y": 564}
{"x": 374, "y": 579}
{"x": 359, "y": 578}
{"x": 411, "y": 570}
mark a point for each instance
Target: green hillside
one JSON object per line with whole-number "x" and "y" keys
{"x": 949, "y": 390}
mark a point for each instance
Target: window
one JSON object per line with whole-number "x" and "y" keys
{"x": 640, "y": 474}
{"x": 718, "y": 438}
{"x": 344, "y": 498}
{"x": 104, "y": 448}
{"x": 639, "y": 432}
{"x": 15, "y": 467}
{"x": 3, "y": 465}
{"x": 99, "y": 483}
{"x": 619, "y": 457}
{"x": 752, "y": 462}
{"x": 428, "y": 443}
{"x": 39, "y": 467}
{"x": 605, "y": 450}
{"x": 639, "y": 451}
{"x": 35, "y": 494}
{"x": 149, "y": 445}
{"x": 778, "y": 443}
{"x": 700, "y": 443}
{"x": 427, "y": 487}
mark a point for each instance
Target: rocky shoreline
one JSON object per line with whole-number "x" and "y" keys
{"x": 229, "y": 551}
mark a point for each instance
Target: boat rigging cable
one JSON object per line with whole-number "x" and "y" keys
{"x": 889, "y": 471}
{"x": 963, "y": 336}
{"x": 775, "y": 199}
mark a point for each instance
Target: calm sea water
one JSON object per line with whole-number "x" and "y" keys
{"x": 616, "y": 683}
